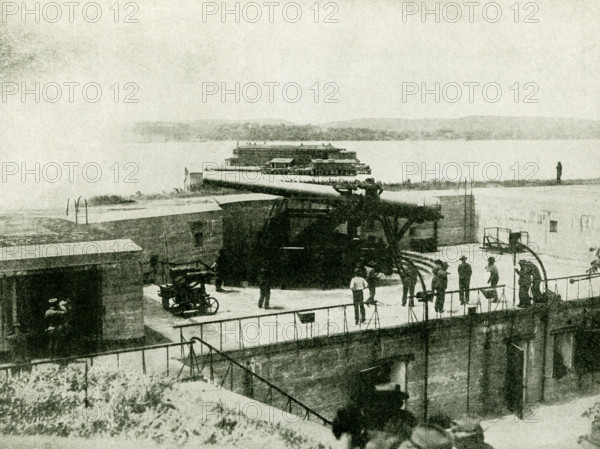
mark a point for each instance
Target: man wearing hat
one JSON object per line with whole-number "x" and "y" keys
{"x": 54, "y": 322}
{"x": 464, "y": 280}
{"x": 525, "y": 281}
{"x": 357, "y": 285}
{"x": 494, "y": 277}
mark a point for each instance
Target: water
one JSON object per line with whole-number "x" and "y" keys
{"x": 125, "y": 169}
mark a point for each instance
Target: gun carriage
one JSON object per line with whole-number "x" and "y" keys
{"x": 186, "y": 295}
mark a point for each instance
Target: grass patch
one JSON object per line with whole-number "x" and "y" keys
{"x": 51, "y": 401}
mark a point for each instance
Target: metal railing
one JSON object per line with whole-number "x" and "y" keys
{"x": 280, "y": 323}
{"x": 146, "y": 358}
{"x": 248, "y": 377}
{"x": 452, "y": 298}
{"x": 575, "y": 287}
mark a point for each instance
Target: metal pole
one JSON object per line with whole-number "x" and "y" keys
{"x": 87, "y": 402}
{"x": 514, "y": 277}
{"x": 469, "y": 362}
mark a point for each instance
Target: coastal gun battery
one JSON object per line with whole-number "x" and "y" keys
{"x": 316, "y": 235}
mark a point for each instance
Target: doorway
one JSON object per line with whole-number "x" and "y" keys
{"x": 516, "y": 366}
{"x": 81, "y": 287}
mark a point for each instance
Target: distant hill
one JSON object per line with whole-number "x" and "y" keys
{"x": 481, "y": 127}
{"x": 465, "y": 128}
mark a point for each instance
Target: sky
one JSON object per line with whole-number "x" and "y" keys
{"x": 184, "y": 60}
{"x": 71, "y": 78}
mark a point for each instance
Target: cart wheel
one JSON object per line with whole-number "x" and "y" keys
{"x": 212, "y": 305}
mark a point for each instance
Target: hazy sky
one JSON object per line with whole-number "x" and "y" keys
{"x": 359, "y": 56}
{"x": 178, "y": 49}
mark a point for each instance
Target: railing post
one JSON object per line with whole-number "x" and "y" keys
{"x": 221, "y": 336}
{"x": 241, "y": 337}
{"x": 143, "y": 361}
{"x": 212, "y": 370}
{"x": 87, "y": 402}
{"x": 327, "y": 322}
{"x": 201, "y": 338}
{"x": 451, "y": 302}
{"x": 276, "y": 329}
{"x": 295, "y": 329}
{"x": 181, "y": 341}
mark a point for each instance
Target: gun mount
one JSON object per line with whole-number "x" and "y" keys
{"x": 186, "y": 295}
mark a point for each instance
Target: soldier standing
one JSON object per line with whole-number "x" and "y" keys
{"x": 54, "y": 325}
{"x": 464, "y": 280}
{"x": 440, "y": 282}
{"x": 558, "y": 172}
{"x": 536, "y": 280}
{"x": 409, "y": 282}
{"x": 264, "y": 283}
{"x": 357, "y": 285}
{"x": 372, "y": 281}
{"x": 494, "y": 277}
{"x": 524, "y": 284}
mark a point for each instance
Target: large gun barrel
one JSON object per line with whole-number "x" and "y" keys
{"x": 414, "y": 204}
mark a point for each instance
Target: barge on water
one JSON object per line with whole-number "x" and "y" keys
{"x": 313, "y": 160}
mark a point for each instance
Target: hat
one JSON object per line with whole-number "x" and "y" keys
{"x": 491, "y": 259}
{"x": 53, "y": 301}
{"x": 430, "y": 437}
{"x": 462, "y": 258}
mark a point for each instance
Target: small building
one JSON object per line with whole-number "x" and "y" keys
{"x": 173, "y": 231}
{"x": 101, "y": 280}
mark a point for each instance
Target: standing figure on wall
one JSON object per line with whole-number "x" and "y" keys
{"x": 464, "y": 280}
{"x": 558, "y": 172}
{"x": 525, "y": 281}
{"x": 494, "y": 277}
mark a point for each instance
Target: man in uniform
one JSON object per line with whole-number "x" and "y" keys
{"x": 409, "y": 282}
{"x": 494, "y": 277}
{"x": 558, "y": 172}
{"x": 357, "y": 285}
{"x": 441, "y": 283}
{"x": 54, "y": 326}
{"x": 464, "y": 280}
{"x": 264, "y": 282}
{"x": 372, "y": 281}
{"x": 536, "y": 280}
{"x": 524, "y": 284}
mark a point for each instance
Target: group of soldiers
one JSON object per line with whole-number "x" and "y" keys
{"x": 530, "y": 279}
{"x": 439, "y": 282}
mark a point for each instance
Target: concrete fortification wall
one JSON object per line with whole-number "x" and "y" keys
{"x": 320, "y": 372}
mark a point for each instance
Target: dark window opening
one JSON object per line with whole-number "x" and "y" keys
{"x": 197, "y": 230}
{"x": 553, "y": 226}
{"x": 587, "y": 348}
